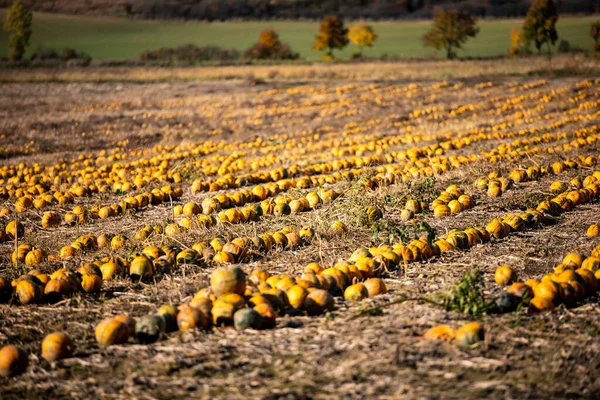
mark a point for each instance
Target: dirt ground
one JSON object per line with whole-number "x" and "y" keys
{"x": 346, "y": 353}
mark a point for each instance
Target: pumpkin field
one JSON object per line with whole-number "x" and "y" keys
{"x": 301, "y": 238}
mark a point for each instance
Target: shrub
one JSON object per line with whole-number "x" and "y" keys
{"x": 269, "y": 47}
{"x": 189, "y": 53}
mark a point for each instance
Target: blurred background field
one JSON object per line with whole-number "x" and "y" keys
{"x": 114, "y": 38}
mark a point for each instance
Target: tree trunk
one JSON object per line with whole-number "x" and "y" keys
{"x": 549, "y": 53}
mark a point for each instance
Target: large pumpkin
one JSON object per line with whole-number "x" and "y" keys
{"x": 228, "y": 280}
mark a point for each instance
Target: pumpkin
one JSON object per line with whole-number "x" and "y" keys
{"x": 268, "y": 314}
{"x": 149, "y": 328}
{"x": 337, "y": 228}
{"x": 56, "y": 289}
{"x": 228, "y": 280}
{"x": 91, "y": 283}
{"x": 129, "y": 323}
{"x": 57, "y": 346}
{"x": 356, "y": 292}
{"x": 247, "y": 318}
{"x": 169, "y": 315}
{"x": 222, "y": 313}
{"x": 234, "y": 299}
{"x": 573, "y": 260}
{"x": 375, "y": 287}
{"x": 593, "y": 230}
{"x": 111, "y": 331}
{"x": 110, "y": 270}
{"x": 504, "y": 275}
{"x": 141, "y": 268}
{"x": 539, "y": 303}
{"x": 14, "y": 229}
{"x": 296, "y": 296}
{"x": 318, "y": 302}
{"x": 118, "y": 242}
{"x": 440, "y": 332}
{"x": 469, "y": 334}
{"x": 191, "y": 318}
{"x": 13, "y": 361}
{"x": 5, "y": 290}
{"x": 521, "y": 290}
{"x": 28, "y": 291}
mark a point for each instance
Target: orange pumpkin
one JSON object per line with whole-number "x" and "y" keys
{"x": 111, "y": 331}
{"x": 57, "y": 346}
{"x": 13, "y": 361}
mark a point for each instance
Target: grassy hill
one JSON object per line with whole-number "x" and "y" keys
{"x": 112, "y": 38}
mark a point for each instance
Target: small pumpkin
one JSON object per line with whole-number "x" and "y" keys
{"x": 149, "y": 328}
{"x": 356, "y": 292}
{"x": 504, "y": 275}
{"x": 111, "y": 331}
{"x": 469, "y": 334}
{"x": 247, "y": 318}
{"x": 56, "y": 289}
{"x": 169, "y": 313}
{"x": 13, "y": 361}
{"x": 440, "y": 332}
{"x": 57, "y": 346}
{"x": 296, "y": 296}
{"x": 222, "y": 313}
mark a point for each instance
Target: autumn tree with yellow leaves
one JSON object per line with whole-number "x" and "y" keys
{"x": 332, "y": 35}
{"x": 362, "y": 35}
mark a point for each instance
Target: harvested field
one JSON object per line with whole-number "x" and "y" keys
{"x": 353, "y": 144}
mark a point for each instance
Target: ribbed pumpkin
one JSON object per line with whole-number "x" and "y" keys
{"x": 13, "y": 361}
{"x": 191, "y": 318}
{"x": 228, "y": 280}
{"x": 110, "y": 270}
{"x": 111, "y": 331}
{"x": 14, "y": 229}
{"x": 57, "y": 346}
{"x": 28, "y": 291}
{"x": 91, "y": 283}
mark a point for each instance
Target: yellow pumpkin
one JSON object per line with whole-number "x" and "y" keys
{"x": 440, "y": 332}
{"x": 296, "y": 296}
{"x": 57, "y": 346}
{"x": 469, "y": 334}
{"x": 318, "y": 301}
{"x": 375, "y": 287}
{"x": 91, "y": 283}
{"x": 356, "y": 292}
{"x": 13, "y": 361}
{"x": 111, "y": 331}
{"x": 228, "y": 280}
{"x": 504, "y": 275}
{"x": 191, "y": 318}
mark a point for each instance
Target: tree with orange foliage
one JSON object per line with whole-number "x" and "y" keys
{"x": 362, "y": 35}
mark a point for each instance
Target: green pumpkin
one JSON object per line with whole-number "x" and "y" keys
{"x": 247, "y": 318}
{"x": 149, "y": 328}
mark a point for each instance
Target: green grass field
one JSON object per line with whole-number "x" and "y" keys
{"x": 109, "y": 38}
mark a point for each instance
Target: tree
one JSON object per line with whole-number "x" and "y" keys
{"x": 515, "y": 42}
{"x": 451, "y": 28}
{"x": 18, "y": 26}
{"x": 362, "y": 35}
{"x": 270, "y": 47}
{"x": 540, "y": 25}
{"x": 332, "y": 35}
{"x": 595, "y": 34}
